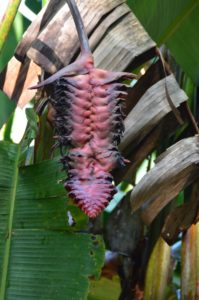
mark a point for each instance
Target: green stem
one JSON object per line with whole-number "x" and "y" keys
{"x": 7, "y": 20}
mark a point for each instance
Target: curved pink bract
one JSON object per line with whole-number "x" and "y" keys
{"x": 88, "y": 117}
{"x": 89, "y": 122}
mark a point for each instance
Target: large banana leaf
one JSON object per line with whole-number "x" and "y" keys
{"x": 175, "y": 23}
{"x": 40, "y": 258}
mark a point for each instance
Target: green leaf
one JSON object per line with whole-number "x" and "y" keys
{"x": 8, "y": 129}
{"x": 106, "y": 289}
{"x": 6, "y": 108}
{"x": 44, "y": 142}
{"x": 32, "y": 118}
{"x": 174, "y": 23}
{"x": 39, "y": 255}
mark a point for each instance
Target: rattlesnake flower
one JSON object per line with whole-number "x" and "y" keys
{"x": 89, "y": 123}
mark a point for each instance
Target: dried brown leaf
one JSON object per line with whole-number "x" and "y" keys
{"x": 116, "y": 36}
{"x": 150, "y": 110}
{"x": 177, "y": 168}
{"x": 181, "y": 218}
{"x": 51, "y": 41}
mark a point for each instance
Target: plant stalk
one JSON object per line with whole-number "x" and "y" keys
{"x": 79, "y": 26}
{"x": 7, "y": 20}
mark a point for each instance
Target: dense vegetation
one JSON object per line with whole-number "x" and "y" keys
{"x": 49, "y": 249}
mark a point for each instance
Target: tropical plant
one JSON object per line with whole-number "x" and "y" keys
{"x": 145, "y": 243}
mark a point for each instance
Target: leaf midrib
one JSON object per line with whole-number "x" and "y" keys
{"x": 9, "y": 230}
{"x": 178, "y": 21}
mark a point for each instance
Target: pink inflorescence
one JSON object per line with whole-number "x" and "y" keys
{"x": 89, "y": 119}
